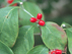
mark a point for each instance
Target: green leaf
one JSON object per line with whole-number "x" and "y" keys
{"x": 25, "y": 40}
{"x": 41, "y": 49}
{"x": 69, "y": 35}
{"x": 53, "y": 36}
{"x": 8, "y": 25}
{"x": 17, "y": 1}
{"x": 24, "y": 18}
{"x": 4, "y": 49}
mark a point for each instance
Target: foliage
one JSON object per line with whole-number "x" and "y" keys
{"x": 17, "y": 33}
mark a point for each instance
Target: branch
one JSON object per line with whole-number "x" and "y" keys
{"x": 28, "y": 13}
{"x": 21, "y": 3}
{"x": 37, "y": 34}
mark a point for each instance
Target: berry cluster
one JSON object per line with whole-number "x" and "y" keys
{"x": 56, "y": 52}
{"x": 38, "y": 20}
{"x": 11, "y": 1}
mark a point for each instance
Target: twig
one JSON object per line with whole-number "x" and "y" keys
{"x": 28, "y": 13}
{"x": 40, "y": 30}
{"x": 37, "y": 34}
{"x": 26, "y": 10}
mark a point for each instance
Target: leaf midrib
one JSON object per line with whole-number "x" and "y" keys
{"x": 26, "y": 34}
{"x": 6, "y": 18}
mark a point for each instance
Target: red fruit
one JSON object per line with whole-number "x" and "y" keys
{"x": 10, "y": 1}
{"x": 58, "y": 51}
{"x": 41, "y": 23}
{"x": 53, "y": 52}
{"x": 15, "y": 4}
{"x": 33, "y": 20}
{"x": 39, "y": 16}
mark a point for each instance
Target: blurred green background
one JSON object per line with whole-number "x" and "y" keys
{"x": 54, "y": 10}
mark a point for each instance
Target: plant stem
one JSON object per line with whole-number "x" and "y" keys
{"x": 65, "y": 51}
{"x": 37, "y": 34}
{"x": 40, "y": 30}
{"x": 26, "y": 11}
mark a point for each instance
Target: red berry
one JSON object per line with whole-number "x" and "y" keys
{"x": 53, "y": 52}
{"x": 33, "y": 20}
{"x": 10, "y": 1}
{"x": 58, "y": 51}
{"x": 41, "y": 23}
{"x": 39, "y": 16}
{"x": 15, "y": 4}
